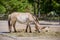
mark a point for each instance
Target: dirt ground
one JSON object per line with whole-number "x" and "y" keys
{"x": 52, "y": 34}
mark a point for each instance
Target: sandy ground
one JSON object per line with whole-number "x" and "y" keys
{"x": 54, "y": 26}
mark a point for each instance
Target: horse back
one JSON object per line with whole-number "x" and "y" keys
{"x": 20, "y": 15}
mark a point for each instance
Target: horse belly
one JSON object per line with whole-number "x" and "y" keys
{"x": 22, "y": 18}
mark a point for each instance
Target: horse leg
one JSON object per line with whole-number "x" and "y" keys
{"x": 37, "y": 29}
{"x": 14, "y": 26}
{"x": 10, "y": 25}
{"x": 30, "y": 29}
{"x": 26, "y": 28}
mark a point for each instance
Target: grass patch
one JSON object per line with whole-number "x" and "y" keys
{"x": 35, "y": 34}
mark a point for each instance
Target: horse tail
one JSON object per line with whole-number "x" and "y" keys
{"x": 9, "y": 21}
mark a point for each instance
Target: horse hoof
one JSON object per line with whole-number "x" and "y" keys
{"x": 30, "y": 32}
{"x": 46, "y": 30}
{"x": 25, "y": 31}
{"x": 39, "y": 32}
{"x": 9, "y": 31}
{"x": 15, "y": 31}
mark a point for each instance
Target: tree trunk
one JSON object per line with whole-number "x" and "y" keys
{"x": 34, "y": 5}
{"x": 38, "y": 7}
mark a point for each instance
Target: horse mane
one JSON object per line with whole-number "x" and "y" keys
{"x": 34, "y": 16}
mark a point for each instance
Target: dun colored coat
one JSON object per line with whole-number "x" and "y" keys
{"x": 24, "y": 18}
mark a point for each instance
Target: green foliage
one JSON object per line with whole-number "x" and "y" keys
{"x": 56, "y": 6}
{"x": 8, "y": 6}
{"x": 46, "y": 6}
{"x": 2, "y": 9}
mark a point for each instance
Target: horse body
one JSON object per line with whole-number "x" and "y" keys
{"x": 24, "y": 18}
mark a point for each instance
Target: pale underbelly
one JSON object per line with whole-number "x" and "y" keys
{"x": 22, "y": 19}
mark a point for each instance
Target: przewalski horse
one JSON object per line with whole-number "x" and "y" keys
{"x": 24, "y": 18}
